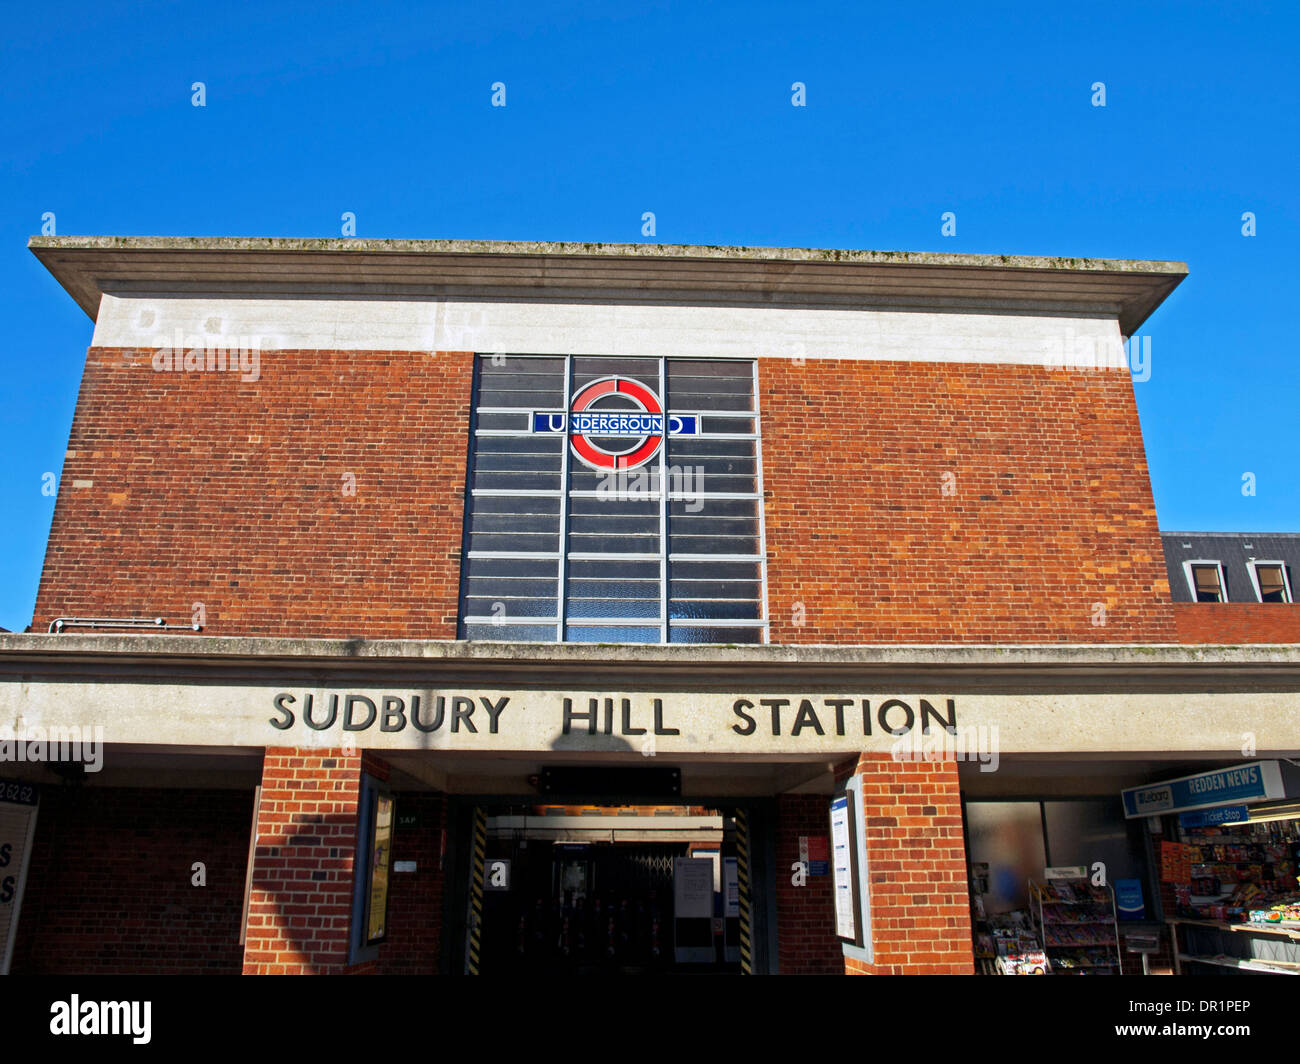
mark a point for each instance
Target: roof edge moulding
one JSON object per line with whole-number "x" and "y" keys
{"x": 90, "y": 266}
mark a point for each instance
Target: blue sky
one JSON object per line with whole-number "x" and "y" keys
{"x": 684, "y": 110}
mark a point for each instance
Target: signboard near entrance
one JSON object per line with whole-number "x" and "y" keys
{"x": 850, "y": 882}
{"x": 843, "y": 871}
{"x": 730, "y": 888}
{"x": 693, "y": 887}
{"x": 693, "y": 911}
{"x": 1255, "y": 782}
{"x": 17, "y": 830}
{"x": 1227, "y": 814}
{"x": 381, "y": 852}
{"x": 731, "y": 909}
{"x": 819, "y": 856}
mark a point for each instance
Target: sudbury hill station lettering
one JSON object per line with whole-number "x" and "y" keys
{"x": 600, "y": 715}
{"x": 688, "y": 609}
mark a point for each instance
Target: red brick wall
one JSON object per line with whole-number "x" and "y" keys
{"x": 916, "y": 860}
{"x": 1237, "y": 622}
{"x": 300, "y": 909}
{"x": 110, "y": 890}
{"x": 1051, "y": 510}
{"x": 415, "y": 899}
{"x": 210, "y": 489}
{"x": 805, "y": 916}
{"x": 206, "y": 488}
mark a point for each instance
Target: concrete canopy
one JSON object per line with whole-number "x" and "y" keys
{"x": 89, "y": 267}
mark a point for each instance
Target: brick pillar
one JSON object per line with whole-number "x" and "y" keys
{"x": 300, "y": 907}
{"x": 916, "y": 860}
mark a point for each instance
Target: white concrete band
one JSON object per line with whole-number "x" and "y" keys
{"x": 613, "y": 329}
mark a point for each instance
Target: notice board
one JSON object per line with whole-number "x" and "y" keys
{"x": 18, "y": 802}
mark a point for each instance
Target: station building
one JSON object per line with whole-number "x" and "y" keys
{"x": 467, "y": 607}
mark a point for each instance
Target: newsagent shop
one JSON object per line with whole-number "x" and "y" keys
{"x": 473, "y": 608}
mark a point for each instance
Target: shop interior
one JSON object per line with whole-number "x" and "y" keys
{"x": 1186, "y": 869}
{"x": 1232, "y": 871}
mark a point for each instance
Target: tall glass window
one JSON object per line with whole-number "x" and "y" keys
{"x": 613, "y": 500}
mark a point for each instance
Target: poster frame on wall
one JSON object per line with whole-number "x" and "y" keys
{"x": 19, "y": 793}
{"x": 846, "y": 819}
{"x": 379, "y": 858}
{"x": 362, "y": 946}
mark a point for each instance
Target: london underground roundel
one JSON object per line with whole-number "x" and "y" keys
{"x": 616, "y": 423}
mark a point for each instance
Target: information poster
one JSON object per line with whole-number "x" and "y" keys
{"x": 17, "y": 829}
{"x": 731, "y": 888}
{"x": 692, "y": 887}
{"x": 693, "y": 941}
{"x": 842, "y": 860}
{"x": 819, "y": 860}
{"x": 381, "y": 851}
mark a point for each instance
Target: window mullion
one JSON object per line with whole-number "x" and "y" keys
{"x": 663, "y": 506}
{"x": 562, "y": 576}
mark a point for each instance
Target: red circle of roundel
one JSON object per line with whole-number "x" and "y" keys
{"x": 639, "y": 394}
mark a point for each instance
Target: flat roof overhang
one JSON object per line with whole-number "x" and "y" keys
{"x": 1076, "y": 667}
{"x": 1111, "y": 701}
{"x": 1036, "y": 676}
{"x": 90, "y": 266}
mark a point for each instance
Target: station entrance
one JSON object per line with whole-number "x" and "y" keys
{"x": 552, "y": 865}
{"x": 610, "y": 890}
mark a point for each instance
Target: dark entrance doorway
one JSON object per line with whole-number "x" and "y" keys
{"x": 620, "y": 890}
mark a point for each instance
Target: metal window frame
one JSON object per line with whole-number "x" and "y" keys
{"x": 662, "y": 495}
{"x": 762, "y": 510}
{"x": 566, "y": 457}
{"x": 664, "y": 461}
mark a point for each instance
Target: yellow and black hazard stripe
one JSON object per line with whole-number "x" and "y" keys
{"x": 476, "y": 890}
{"x": 742, "y": 889}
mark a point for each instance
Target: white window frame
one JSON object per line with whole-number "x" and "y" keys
{"x": 1254, "y": 577}
{"x": 1191, "y": 581}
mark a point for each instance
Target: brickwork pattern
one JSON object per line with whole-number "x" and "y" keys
{"x": 916, "y": 859}
{"x": 805, "y": 916}
{"x": 110, "y": 890}
{"x": 205, "y": 488}
{"x": 945, "y": 503}
{"x": 300, "y": 908}
{"x": 905, "y": 502}
{"x": 415, "y": 898}
{"x": 1232, "y": 623}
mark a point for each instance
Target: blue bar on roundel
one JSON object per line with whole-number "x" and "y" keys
{"x": 619, "y": 423}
